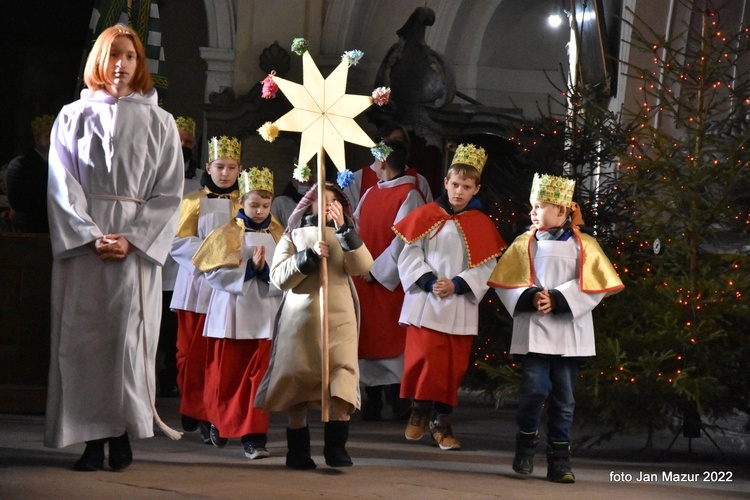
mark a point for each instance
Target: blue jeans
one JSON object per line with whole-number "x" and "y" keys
{"x": 551, "y": 379}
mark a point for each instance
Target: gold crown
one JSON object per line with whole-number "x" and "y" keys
{"x": 255, "y": 179}
{"x": 552, "y": 189}
{"x": 224, "y": 147}
{"x": 469, "y": 154}
{"x": 185, "y": 124}
{"x": 42, "y": 124}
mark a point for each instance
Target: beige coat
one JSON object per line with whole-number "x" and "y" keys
{"x": 294, "y": 373}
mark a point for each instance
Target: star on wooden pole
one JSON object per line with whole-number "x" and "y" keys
{"x": 324, "y": 113}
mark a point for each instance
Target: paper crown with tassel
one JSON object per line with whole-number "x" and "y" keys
{"x": 255, "y": 179}
{"x": 224, "y": 147}
{"x": 42, "y": 124}
{"x": 469, "y": 154}
{"x": 552, "y": 189}
{"x": 185, "y": 124}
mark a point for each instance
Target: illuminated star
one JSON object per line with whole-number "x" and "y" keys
{"x": 323, "y": 112}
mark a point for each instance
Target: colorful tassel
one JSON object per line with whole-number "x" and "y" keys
{"x": 381, "y": 95}
{"x": 300, "y": 46}
{"x": 301, "y": 173}
{"x": 345, "y": 179}
{"x": 381, "y": 151}
{"x": 352, "y": 57}
{"x": 268, "y": 131}
{"x": 269, "y": 87}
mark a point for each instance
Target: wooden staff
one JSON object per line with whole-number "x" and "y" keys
{"x": 325, "y": 362}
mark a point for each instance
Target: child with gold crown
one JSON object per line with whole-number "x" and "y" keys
{"x": 200, "y": 212}
{"x": 549, "y": 280}
{"x": 451, "y": 249}
{"x": 235, "y": 258}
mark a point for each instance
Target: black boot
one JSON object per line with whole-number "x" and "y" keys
{"x": 526, "y": 442}
{"x": 120, "y": 454}
{"x": 558, "y": 463}
{"x": 92, "y": 458}
{"x": 298, "y": 443}
{"x": 373, "y": 404}
{"x": 335, "y": 437}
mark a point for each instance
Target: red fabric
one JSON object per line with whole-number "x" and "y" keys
{"x": 434, "y": 365}
{"x": 380, "y": 335}
{"x": 370, "y": 178}
{"x": 234, "y": 369}
{"x": 191, "y": 363}
{"x": 483, "y": 241}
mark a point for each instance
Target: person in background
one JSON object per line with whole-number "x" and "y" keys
{"x": 366, "y": 177}
{"x": 200, "y": 212}
{"x": 285, "y": 203}
{"x": 115, "y": 184}
{"x": 27, "y": 181}
{"x": 381, "y": 337}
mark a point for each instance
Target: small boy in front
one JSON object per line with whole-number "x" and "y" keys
{"x": 549, "y": 280}
{"x": 235, "y": 258}
{"x": 451, "y": 249}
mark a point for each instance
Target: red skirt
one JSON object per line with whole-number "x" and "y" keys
{"x": 191, "y": 363}
{"x": 434, "y": 365}
{"x": 234, "y": 369}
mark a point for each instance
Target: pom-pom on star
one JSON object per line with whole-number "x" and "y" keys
{"x": 268, "y": 131}
{"x": 381, "y": 151}
{"x": 345, "y": 179}
{"x": 301, "y": 173}
{"x": 352, "y": 57}
{"x": 300, "y": 46}
{"x": 269, "y": 87}
{"x": 381, "y": 95}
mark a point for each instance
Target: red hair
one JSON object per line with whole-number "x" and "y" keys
{"x": 95, "y": 73}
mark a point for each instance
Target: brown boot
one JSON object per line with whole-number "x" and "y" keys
{"x": 442, "y": 432}
{"x": 420, "y": 411}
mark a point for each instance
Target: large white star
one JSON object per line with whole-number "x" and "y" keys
{"x": 323, "y": 112}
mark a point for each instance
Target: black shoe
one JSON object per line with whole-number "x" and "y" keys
{"x": 92, "y": 458}
{"x": 216, "y": 439}
{"x": 205, "y": 431}
{"x": 523, "y": 461}
{"x": 120, "y": 454}
{"x": 189, "y": 424}
{"x": 558, "y": 463}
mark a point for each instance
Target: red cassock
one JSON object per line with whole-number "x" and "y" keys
{"x": 380, "y": 335}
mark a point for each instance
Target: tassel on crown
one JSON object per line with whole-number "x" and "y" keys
{"x": 224, "y": 147}
{"x": 552, "y": 189}
{"x": 255, "y": 179}
{"x": 469, "y": 154}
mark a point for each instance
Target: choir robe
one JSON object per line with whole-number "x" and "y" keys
{"x": 115, "y": 166}
{"x": 381, "y": 337}
{"x": 199, "y": 215}
{"x": 294, "y": 373}
{"x": 578, "y": 269}
{"x": 439, "y": 330}
{"x": 238, "y": 327}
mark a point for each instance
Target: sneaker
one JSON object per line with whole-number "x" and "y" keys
{"x": 255, "y": 452}
{"x": 417, "y": 425}
{"x": 216, "y": 439}
{"x": 442, "y": 433}
{"x": 205, "y": 431}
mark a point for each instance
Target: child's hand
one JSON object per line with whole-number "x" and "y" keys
{"x": 112, "y": 246}
{"x": 259, "y": 258}
{"x": 544, "y": 302}
{"x": 321, "y": 248}
{"x": 443, "y": 288}
{"x": 335, "y": 212}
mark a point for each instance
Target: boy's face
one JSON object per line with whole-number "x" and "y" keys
{"x": 547, "y": 215}
{"x": 123, "y": 61}
{"x": 256, "y": 207}
{"x": 460, "y": 191}
{"x": 223, "y": 171}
